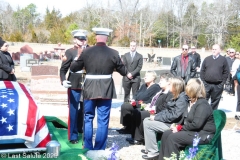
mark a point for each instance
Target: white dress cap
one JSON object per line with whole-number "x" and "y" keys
{"x": 102, "y": 31}
{"x": 80, "y": 34}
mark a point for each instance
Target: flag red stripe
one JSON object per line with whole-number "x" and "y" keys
{"x": 32, "y": 112}
{"x": 9, "y": 84}
{"x": 44, "y": 142}
{"x": 40, "y": 124}
{"x": 69, "y": 114}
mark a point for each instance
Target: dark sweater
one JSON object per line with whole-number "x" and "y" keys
{"x": 214, "y": 70}
{"x": 146, "y": 94}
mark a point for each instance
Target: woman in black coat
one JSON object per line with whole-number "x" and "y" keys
{"x": 198, "y": 119}
{"x": 145, "y": 94}
{"x": 6, "y": 63}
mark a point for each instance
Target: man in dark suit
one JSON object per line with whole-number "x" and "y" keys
{"x": 133, "y": 61}
{"x": 183, "y": 66}
{"x": 99, "y": 61}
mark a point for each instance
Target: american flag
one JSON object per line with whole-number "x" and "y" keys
{"x": 20, "y": 117}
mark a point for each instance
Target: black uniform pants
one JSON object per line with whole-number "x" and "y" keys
{"x": 127, "y": 86}
{"x": 138, "y": 116}
{"x": 214, "y": 91}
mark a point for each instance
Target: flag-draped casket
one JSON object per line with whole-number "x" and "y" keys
{"x": 20, "y": 117}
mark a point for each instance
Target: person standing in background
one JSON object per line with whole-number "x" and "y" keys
{"x": 196, "y": 57}
{"x": 99, "y": 62}
{"x": 134, "y": 62}
{"x": 74, "y": 85}
{"x": 183, "y": 66}
{"x": 6, "y": 63}
{"x": 214, "y": 73}
{"x": 230, "y": 82}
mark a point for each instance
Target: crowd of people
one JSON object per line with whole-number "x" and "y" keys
{"x": 179, "y": 99}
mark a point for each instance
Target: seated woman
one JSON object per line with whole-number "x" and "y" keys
{"x": 145, "y": 93}
{"x": 197, "y": 119}
{"x": 162, "y": 121}
{"x": 157, "y": 104}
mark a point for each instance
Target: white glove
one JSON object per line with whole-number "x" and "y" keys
{"x": 66, "y": 84}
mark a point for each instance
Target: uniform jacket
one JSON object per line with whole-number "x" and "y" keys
{"x": 176, "y": 68}
{"x": 200, "y": 119}
{"x": 99, "y": 60}
{"x": 6, "y": 66}
{"x": 76, "y": 79}
{"x": 174, "y": 110}
{"x": 133, "y": 66}
{"x": 197, "y": 58}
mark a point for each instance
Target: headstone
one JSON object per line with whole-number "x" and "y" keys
{"x": 32, "y": 62}
{"x": 23, "y": 62}
{"x": 46, "y": 86}
{"x": 166, "y": 61}
{"x": 26, "y": 49}
{"x": 36, "y": 56}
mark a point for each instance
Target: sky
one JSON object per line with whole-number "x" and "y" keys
{"x": 65, "y": 6}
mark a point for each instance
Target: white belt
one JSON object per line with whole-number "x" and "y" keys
{"x": 98, "y": 76}
{"x": 77, "y": 71}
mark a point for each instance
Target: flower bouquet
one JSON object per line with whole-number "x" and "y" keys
{"x": 142, "y": 105}
{"x": 152, "y": 113}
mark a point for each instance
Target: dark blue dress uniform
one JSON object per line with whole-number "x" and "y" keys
{"x": 99, "y": 62}
{"x": 74, "y": 93}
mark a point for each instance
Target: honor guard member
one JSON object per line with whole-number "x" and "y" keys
{"x": 99, "y": 61}
{"x": 74, "y": 85}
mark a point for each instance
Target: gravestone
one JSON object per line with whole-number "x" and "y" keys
{"x": 23, "y": 62}
{"x": 46, "y": 86}
{"x": 166, "y": 61}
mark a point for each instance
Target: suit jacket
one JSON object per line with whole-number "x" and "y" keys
{"x": 176, "y": 68}
{"x": 133, "y": 66}
{"x": 199, "y": 119}
{"x": 6, "y": 66}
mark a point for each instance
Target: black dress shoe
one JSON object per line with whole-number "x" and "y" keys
{"x": 144, "y": 151}
{"x": 149, "y": 157}
{"x": 129, "y": 139}
{"x": 73, "y": 141}
{"x": 136, "y": 142}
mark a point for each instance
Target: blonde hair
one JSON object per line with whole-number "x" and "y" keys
{"x": 178, "y": 86}
{"x": 195, "y": 89}
{"x": 153, "y": 74}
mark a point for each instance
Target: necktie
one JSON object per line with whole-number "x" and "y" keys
{"x": 132, "y": 55}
